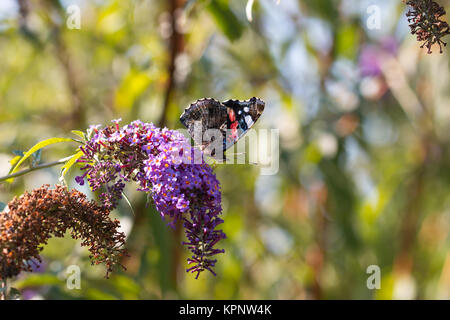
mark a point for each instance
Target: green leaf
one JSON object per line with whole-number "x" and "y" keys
{"x": 38, "y": 280}
{"x": 80, "y": 134}
{"x": 2, "y": 206}
{"x": 347, "y": 41}
{"x": 128, "y": 201}
{"x": 225, "y": 19}
{"x": 126, "y": 286}
{"x": 72, "y": 160}
{"x": 14, "y": 160}
{"x": 326, "y": 9}
{"x": 132, "y": 87}
{"x": 97, "y": 294}
{"x": 35, "y": 148}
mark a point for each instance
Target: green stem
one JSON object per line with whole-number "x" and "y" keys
{"x": 38, "y": 167}
{"x": 3, "y": 290}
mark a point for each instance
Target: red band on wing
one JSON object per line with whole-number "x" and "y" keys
{"x": 231, "y": 115}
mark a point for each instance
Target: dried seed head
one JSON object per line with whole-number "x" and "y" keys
{"x": 35, "y": 217}
{"x": 425, "y": 22}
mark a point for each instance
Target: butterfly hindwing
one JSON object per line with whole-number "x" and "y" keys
{"x": 211, "y": 114}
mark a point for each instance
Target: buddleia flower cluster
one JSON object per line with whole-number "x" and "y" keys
{"x": 426, "y": 23}
{"x": 33, "y": 218}
{"x": 164, "y": 165}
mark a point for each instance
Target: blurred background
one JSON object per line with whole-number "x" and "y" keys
{"x": 363, "y": 115}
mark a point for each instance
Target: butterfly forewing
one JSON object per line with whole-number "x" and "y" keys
{"x": 242, "y": 115}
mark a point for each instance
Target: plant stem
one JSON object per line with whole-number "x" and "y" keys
{"x": 38, "y": 167}
{"x": 3, "y": 291}
{"x": 176, "y": 47}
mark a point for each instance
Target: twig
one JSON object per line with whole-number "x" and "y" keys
{"x": 62, "y": 53}
{"x": 176, "y": 47}
{"x": 23, "y": 11}
{"x": 40, "y": 166}
{"x": 140, "y": 221}
{"x": 398, "y": 83}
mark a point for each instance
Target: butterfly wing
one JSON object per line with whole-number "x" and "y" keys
{"x": 202, "y": 115}
{"x": 242, "y": 115}
{"x": 232, "y": 117}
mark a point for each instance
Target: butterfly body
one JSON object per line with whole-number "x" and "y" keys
{"x": 233, "y": 118}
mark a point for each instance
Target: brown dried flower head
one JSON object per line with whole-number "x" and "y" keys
{"x": 425, "y": 22}
{"x": 35, "y": 217}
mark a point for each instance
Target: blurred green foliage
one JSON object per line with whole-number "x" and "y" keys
{"x": 364, "y": 175}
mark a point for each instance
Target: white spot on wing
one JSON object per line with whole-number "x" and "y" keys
{"x": 248, "y": 120}
{"x": 246, "y": 109}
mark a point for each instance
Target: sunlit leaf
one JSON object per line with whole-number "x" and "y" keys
{"x": 66, "y": 167}
{"x": 347, "y": 40}
{"x": 14, "y": 160}
{"x": 96, "y": 294}
{"x": 131, "y": 88}
{"x": 81, "y": 134}
{"x": 35, "y": 148}
{"x": 38, "y": 280}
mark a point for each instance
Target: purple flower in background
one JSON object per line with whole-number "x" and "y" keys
{"x": 162, "y": 162}
{"x": 390, "y": 45}
{"x": 29, "y": 294}
{"x": 369, "y": 62}
{"x": 370, "y": 57}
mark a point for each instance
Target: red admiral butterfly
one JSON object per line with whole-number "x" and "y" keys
{"x": 233, "y": 118}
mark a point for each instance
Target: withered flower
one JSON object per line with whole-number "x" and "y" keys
{"x": 33, "y": 218}
{"x": 425, "y": 22}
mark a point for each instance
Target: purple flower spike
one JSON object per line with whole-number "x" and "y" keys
{"x": 160, "y": 162}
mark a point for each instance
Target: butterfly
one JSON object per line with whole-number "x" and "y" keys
{"x": 232, "y": 119}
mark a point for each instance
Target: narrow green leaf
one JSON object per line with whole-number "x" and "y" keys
{"x": 129, "y": 202}
{"x": 35, "y": 148}
{"x": 80, "y": 134}
{"x": 72, "y": 160}
{"x": 2, "y": 206}
{"x": 35, "y": 280}
{"x": 14, "y": 160}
